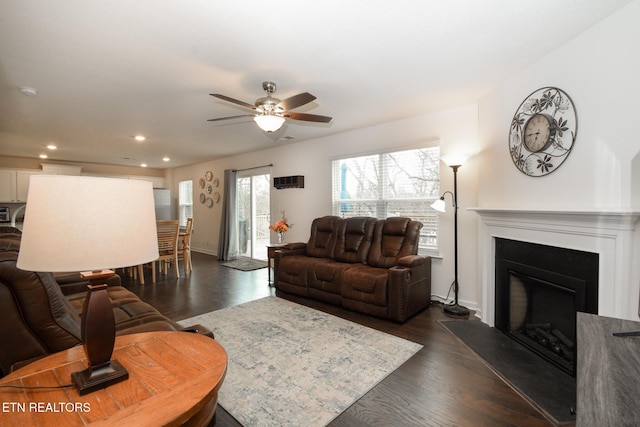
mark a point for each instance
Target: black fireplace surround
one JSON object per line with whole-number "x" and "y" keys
{"x": 539, "y": 290}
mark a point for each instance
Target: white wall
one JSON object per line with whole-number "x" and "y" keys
{"x": 455, "y": 129}
{"x": 600, "y": 70}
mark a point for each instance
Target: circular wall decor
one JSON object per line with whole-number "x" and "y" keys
{"x": 543, "y": 131}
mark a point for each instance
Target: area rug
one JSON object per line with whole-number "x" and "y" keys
{"x": 546, "y": 387}
{"x": 290, "y": 365}
{"x": 245, "y": 264}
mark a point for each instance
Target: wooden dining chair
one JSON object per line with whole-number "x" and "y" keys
{"x": 168, "y": 232}
{"x": 184, "y": 246}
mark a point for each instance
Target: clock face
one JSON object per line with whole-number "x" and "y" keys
{"x": 543, "y": 131}
{"x": 537, "y": 132}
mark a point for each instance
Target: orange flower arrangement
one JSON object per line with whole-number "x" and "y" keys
{"x": 281, "y": 226}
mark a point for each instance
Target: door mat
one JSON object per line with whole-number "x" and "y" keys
{"x": 245, "y": 264}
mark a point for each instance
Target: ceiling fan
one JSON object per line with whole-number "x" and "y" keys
{"x": 270, "y": 112}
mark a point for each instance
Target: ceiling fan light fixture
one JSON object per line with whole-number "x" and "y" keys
{"x": 269, "y": 123}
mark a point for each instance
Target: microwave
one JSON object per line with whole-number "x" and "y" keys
{"x": 5, "y": 215}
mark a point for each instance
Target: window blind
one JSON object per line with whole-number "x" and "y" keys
{"x": 401, "y": 183}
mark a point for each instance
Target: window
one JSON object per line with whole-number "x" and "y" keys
{"x": 185, "y": 201}
{"x": 401, "y": 183}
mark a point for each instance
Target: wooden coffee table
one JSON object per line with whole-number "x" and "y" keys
{"x": 174, "y": 378}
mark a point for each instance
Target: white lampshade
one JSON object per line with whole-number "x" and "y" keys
{"x": 269, "y": 123}
{"x": 439, "y": 205}
{"x": 455, "y": 159}
{"x": 79, "y": 223}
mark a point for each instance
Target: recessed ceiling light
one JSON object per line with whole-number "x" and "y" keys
{"x": 139, "y": 138}
{"x": 29, "y": 91}
{"x": 143, "y": 165}
{"x": 43, "y": 156}
{"x": 165, "y": 159}
{"x": 52, "y": 147}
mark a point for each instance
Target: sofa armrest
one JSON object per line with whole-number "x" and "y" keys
{"x": 199, "y": 329}
{"x": 293, "y": 246}
{"x": 289, "y": 249}
{"x": 409, "y": 287}
{"x": 411, "y": 261}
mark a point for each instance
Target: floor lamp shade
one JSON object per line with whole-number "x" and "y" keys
{"x": 75, "y": 223}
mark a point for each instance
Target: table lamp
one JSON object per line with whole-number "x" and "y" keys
{"x": 78, "y": 223}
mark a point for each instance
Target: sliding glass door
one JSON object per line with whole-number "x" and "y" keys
{"x": 253, "y": 201}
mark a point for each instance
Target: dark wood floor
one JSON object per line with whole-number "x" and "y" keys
{"x": 444, "y": 384}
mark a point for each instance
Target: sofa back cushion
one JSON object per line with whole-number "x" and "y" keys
{"x": 393, "y": 238}
{"x": 324, "y": 232}
{"x": 42, "y": 320}
{"x": 354, "y": 239}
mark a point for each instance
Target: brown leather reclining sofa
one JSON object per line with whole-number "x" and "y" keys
{"x": 363, "y": 264}
{"x": 41, "y": 312}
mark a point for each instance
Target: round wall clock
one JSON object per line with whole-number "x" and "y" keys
{"x": 543, "y": 131}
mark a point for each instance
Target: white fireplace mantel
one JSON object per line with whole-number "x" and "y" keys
{"x": 606, "y": 233}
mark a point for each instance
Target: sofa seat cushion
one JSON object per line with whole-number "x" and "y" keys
{"x": 128, "y": 309}
{"x": 136, "y": 310}
{"x": 327, "y": 276}
{"x": 293, "y": 269}
{"x": 366, "y": 284}
{"x": 293, "y": 273}
{"x": 151, "y": 326}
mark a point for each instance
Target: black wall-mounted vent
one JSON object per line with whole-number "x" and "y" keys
{"x": 296, "y": 181}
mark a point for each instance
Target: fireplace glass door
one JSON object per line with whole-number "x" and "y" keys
{"x": 539, "y": 291}
{"x": 542, "y": 317}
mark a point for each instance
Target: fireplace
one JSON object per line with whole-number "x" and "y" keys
{"x": 610, "y": 234}
{"x": 539, "y": 290}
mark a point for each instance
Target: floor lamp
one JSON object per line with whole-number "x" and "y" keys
{"x": 454, "y": 162}
{"x": 79, "y": 223}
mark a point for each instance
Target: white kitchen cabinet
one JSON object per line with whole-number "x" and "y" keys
{"x": 22, "y": 184}
{"x": 7, "y": 185}
{"x": 14, "y": 185}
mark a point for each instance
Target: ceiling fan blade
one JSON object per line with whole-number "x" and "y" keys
{"x": 231, "y": 117}
{"x": 306, "y": 117}
{"x": 235, "y": 101}
{"x": 296, "y": 101}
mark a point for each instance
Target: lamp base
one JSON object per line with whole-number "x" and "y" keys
{"x": 456, "y": 310}
{"x": 100, "y": 376}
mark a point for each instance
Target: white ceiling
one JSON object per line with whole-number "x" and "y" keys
{"x": 108, "y": 70}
